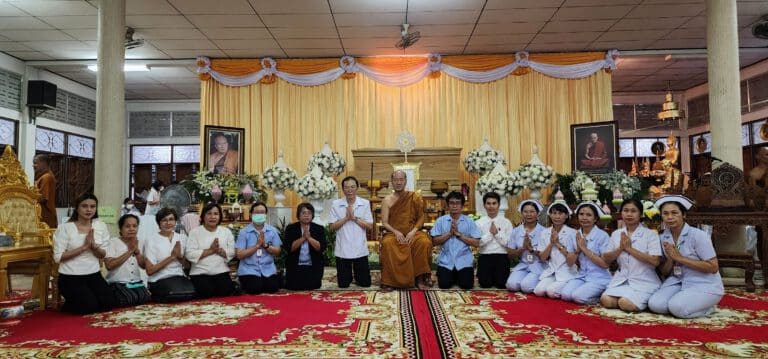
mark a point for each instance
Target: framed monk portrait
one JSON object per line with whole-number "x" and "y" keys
{"x": 224, "y": 150}
{"x": 594, "y": 147}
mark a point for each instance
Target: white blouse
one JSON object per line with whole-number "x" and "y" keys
{"x": 156, "y": 248}
{"x": 67, "y": 237}
{"x": 201, "y": 239}
{"x": 129, "y": 271}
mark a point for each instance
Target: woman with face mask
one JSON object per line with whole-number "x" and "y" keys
{"x": 129, "y": 208}
{"x": 693, "y": 285}
{"x": 256, "y": 247}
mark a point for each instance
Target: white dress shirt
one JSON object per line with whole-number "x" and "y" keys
{"x": 201, "y": 239}
{"x": 494, "y": 244}
{"x": 129, "y": 271}
{"x": 157, "y": 247}
{"x": 351, "y": 239}
{"x": 67, "y": 237}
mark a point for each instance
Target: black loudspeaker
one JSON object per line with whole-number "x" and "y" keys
{"x": 41, "y": 94}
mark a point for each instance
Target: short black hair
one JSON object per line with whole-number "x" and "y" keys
{"x": 208, "y": 207}
{"x": 559, "y": 207}
{"x": 350, "y": 178}
{"x": 491, "y": 195}
{"x": 634, "y": 201}
{"x": 259, "y": 203}
{"x": 455, "y": 195}
{"x": 305, "y": 205}
{"x": 125, "y": 217}
{"x": 164, "y": 212}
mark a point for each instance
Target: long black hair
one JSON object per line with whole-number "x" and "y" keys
{"x": 81, "y": 199}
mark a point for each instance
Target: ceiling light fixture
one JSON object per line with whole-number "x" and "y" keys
{"x": 670, "y": 110}
{"x": 126, "y": 67}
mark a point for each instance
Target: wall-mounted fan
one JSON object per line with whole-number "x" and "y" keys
{"x": 407, "y": 38}
{"x": 130, "y": 42}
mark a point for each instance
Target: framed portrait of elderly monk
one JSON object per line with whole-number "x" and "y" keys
{"x": 224, "y": 150}
{"x": 594, "y": 147}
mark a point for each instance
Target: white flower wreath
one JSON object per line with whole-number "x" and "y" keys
{"x": 506, "y": 183}
{"x": 535, "y": 176}
{"x": 482, "y": 160}
{"x": 278, "y": 177}
{"x": 332, "y": 164}
{"x": 315, "y": 186}
{"x": 619, "y": 180}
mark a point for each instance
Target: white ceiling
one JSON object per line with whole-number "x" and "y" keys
{"x": 54, "y": 30}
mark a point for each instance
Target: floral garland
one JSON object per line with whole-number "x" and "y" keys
{"x": 332, "y": 164}
{"x": 482, "y": 160}
{"x": 202, "y": 183}
{"x": 650, "y": 212}
{"x": 315, "y": 187}
{"x": 619, "y": 180}
{"x": 581, "y": 180}
{"x": 505, "y": 183}
{"x": 535, "y": 176}
{"x": 278, "y": 177}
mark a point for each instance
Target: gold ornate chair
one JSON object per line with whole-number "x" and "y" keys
{"x": 31, "y": 252}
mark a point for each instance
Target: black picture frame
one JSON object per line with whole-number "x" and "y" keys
{"x": 581, "y": 136}
{"x": 234, "y": 159}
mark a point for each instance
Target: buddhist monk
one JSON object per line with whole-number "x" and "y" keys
{"x": 406, "y": 251}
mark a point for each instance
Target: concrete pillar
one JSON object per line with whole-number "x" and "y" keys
{"x": 110, "y": 108}
{"x": 723, "y": 80}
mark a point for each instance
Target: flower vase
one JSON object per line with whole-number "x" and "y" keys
{"x": 504, "y": 205}
{"x": 535, "y": 194}
{"x": 479, "y": 208}
{"x": 280, "y": 197}
{"x": 318, "y": 204}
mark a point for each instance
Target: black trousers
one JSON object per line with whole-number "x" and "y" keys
{"x": 446, "y": 278}
{"x": 303, "y": 278}
{"x": 346, "y": 267}
{"x": 493, "y": 270}
{"x": 85, "y": 294}
{"x": 216, "y": 285}
{"x": 254, "y": 284}
{"x": 129, "y": 297}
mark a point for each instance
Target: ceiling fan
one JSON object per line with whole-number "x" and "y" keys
{"x": 407, "y": 39}
{"x": 129, "y": 42}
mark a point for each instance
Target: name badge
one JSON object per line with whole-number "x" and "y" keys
{"x": 259, "y": 252}
{"x": 677, "y": 271}
{"x": 529, "y": 258}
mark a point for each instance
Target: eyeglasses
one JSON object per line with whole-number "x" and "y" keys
{"x": 167, "y": 220}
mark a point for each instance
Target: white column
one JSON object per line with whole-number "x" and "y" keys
{"x": 110, "y": 106}
{"x": 723, "y": 80}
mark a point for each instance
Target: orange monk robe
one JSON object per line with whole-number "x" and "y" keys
{"x": 401, "y": 263}
{"x": 46, "y": 185}
{"x": 598, "y": 155}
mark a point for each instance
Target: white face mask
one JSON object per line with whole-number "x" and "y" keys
{"x": 129, "y": 206}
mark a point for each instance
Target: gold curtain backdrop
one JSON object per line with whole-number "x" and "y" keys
{"x": 515, "y": 113}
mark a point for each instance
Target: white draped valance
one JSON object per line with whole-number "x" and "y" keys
{"x": 409, "y": 76}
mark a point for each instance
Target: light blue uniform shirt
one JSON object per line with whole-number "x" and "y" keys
{"x": 557, "y": 264}
{"x": 264, "y": 265}
{"x": 695, "y": 244}
{"x": 454, "y": 253}
{"x": 304, "y": 258}
{"x": 599, "y": 242}
{"x": 516, "y": 240}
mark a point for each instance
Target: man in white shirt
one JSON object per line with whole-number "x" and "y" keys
{"x": 493, "y": 262}
{"x": 352, "y": 219}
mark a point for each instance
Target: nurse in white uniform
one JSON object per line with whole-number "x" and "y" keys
{"x": 693, "y": 286}
{"x": 637, "y": 251}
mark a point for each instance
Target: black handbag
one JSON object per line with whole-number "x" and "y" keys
{"x": 172, "y": 289}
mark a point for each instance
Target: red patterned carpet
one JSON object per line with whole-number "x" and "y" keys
{"x": 358, "y": 324}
